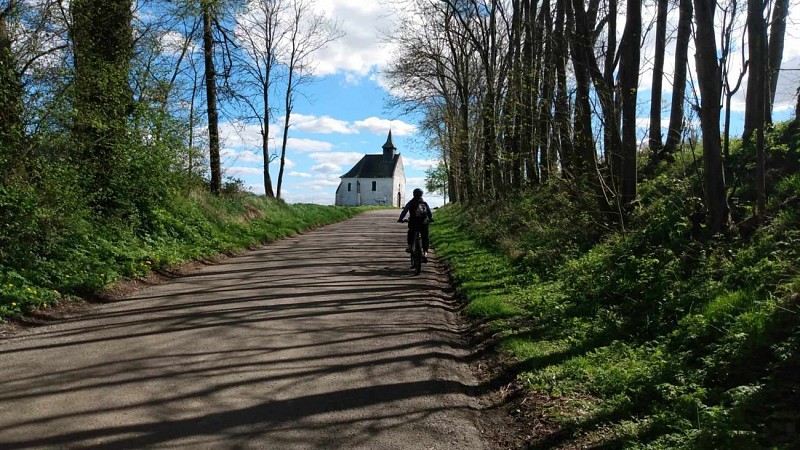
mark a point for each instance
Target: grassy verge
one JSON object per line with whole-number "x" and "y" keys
{"x": 642, "y": 339}
{"x": 88, "y": 256}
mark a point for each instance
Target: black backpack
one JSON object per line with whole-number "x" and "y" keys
{"x": 420, "y": 212}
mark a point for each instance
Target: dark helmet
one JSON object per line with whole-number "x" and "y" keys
{"x": 418, "y": 193}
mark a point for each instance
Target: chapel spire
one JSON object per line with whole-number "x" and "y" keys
{"x": 389, "y": 148}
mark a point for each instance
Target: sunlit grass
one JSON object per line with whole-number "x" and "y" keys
{"x": 193, "y": 226}
{"x": 645, "y": 340}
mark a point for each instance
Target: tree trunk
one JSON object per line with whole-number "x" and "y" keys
{"x": 629, "y": 83}
{"x": 10, "y": 92}
{"x": 288, "y": 105}
{"x": 265, "y": 144}
{"x": 528, "y": 91}
{"x": 757, "y": 92}
{"x": 562, "y": 110}
{"x": 776, "y": 38}
{"x": 582, "y": 121}
{"x": 467, "y": 183}
{"x": 709, "y": 79}
{"x": 658, "y": 77}
{"x": 611, "y": 138}
{"x": 103, "y": 44}
{"x": 545, "y": 89}
{"x": 679, "y": 80}
{"x": 490, "y": 155}
{"x": 757, "y": 54}
{"x": 190, "y": 151}
{"x": 514, "y": 103}
{"x": 583, "y": 55}
{"x": 211, "y": 101}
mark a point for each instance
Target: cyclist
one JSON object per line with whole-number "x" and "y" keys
{"x": 419, "y": 216}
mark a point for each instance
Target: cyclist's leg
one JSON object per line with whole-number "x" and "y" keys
{"x": 425, "y": 238}
{"x": 410, "y": 237}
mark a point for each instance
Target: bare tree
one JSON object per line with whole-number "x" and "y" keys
{"x": 308, "y": 32}
{"x": 479, "y": 20}
{"x": 729, "y": 89}
{"x": 431, "y": 75}
{"x": 261, "y": 32}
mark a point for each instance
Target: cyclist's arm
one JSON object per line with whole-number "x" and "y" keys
{"x": 403, "y": 213}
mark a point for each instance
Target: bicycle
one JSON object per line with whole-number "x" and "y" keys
{"x": 417, "y": 257}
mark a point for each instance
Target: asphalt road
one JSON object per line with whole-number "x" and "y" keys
{"x": 324, "y": 340}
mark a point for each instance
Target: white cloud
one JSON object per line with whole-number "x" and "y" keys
{"x": 326, "y": 168}
{"x": 377, "y": 125}
{"x": 256, "y": 188}
{"x": 240, "y": 156}
{"x": 308, "y": 197}
{"x": 340, "y": 158}
{"x": 323, "y": 125}
{"x": 300, "y": 174}
{"x": 172, "y": 43}
{"x": 415, "y": 182}
{"x": 420, "y": 164}
{"x": 321, "y": 190}
{"x": 240, "y": 171}
{"x": 308, "y": 145}
{"x": 352, "y": 79}
{"x": 789, "y": 79}
{"x": 329, "y": 125}
{"x": 324, "y": 183}
{"x": 287, "y": 163}
{"x": 360, "y": 50}
{"x": 240, "y": 135}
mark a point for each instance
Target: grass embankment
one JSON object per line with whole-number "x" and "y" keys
{"x": 642, "y": 339}
{"x": 84, "y": 258}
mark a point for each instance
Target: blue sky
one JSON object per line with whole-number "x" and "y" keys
{"x": 343, "y": 114}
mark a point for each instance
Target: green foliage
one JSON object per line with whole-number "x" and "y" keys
{"x": 647, "y": 337}
{"x": 54, "y": 259}
{"x": 436, "y": 179}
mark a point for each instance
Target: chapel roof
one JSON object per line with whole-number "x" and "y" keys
{"x": 373, "y": 166}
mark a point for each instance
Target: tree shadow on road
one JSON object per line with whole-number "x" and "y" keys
{"x": 224, "y": 357}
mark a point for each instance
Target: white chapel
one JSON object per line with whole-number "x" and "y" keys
{"x": 374, "y": 180}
